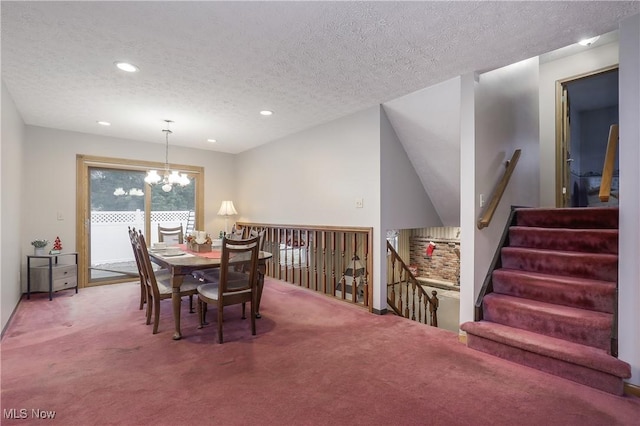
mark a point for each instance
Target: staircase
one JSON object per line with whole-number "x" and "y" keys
{"x": 552, "y": 300}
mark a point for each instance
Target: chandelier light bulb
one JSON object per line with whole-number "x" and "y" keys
{"x": 152, "y": 177}
{"x": 170, "y": 177}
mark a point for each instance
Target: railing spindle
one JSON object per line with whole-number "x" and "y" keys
{"x": 315, "y": 260}
{"x": 307, "y": 258}
{"x": 323, "y": 252}
{"x": 365, "y": 279}
{"x": 333, "y": 264}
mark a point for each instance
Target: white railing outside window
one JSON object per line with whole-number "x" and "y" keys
{"x": 109, "y": 232}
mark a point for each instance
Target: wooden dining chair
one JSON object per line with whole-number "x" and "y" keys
{"x": 233, "y": 287}
{"x": 171, "y": 235}
{"x": 159, "y": 289}
{"x": 143, "y": 287}
{"x": 212, "y": 275}
{"x": 161, "y": 274}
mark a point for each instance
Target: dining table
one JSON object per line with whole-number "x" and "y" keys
{"x": 183, "y": 263}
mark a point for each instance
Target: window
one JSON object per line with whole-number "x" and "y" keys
{"x": 112, "y": 196}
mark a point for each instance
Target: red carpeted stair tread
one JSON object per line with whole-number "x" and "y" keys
{"x": 566, "y": 263}
{"x": 580, "y": 218}
{"x": 582, "y": 240}
{"x": 582, "y": 293}
{"x": 575, "y": 353}
{"x": 576, "y": 325}
{"x": 553, "y": 296}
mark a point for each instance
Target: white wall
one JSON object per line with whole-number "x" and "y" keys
{"x": 404, "y": 204}
{"x": 467, "y": 196}
{"x": 314, "y": 177}
{"x": 427, "y": 123}
{"x": 11, "y": 168}
{"x": 590, "y": 60}
{"x": 50, "y": 176}
{"x": 629, "y": 243}
{"x": 506, "y": 119}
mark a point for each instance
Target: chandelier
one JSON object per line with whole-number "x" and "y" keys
{"x": 169, "y": 178}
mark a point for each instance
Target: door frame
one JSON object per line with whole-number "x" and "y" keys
{"x": 561, "y": 146}
{"x": 83, "y": 209}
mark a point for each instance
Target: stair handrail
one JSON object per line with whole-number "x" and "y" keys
{"x": 609, "y": 164}
{"x": 492, "y": 206}
{"x": 496, "y": 263}
{"x": 432, "y": 300}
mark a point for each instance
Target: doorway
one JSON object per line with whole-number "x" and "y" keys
{"x": 586, "y": 106}
{"x": 111, "y": 197}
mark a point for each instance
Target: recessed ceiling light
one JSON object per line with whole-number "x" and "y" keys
{"x": 266, "y": 112}
{"x": 103, "y": 123}
{"x": 588, "y": 41}
{"x": 125, "y": 66}
{"x": 211, "y": 140}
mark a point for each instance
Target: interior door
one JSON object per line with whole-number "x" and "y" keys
{"x": 565, "y": 143}
{"x": 586, "y": 107}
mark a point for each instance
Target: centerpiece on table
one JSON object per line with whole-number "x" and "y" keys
{"x": 198, "y": 241}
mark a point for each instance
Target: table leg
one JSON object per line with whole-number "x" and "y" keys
{"x": 261, "y": 271}
{"x": 50, "y": 280}
{"x": 28, "y": 278}
{"x": 176, "y": 282}
{"x": 175, "y": 298}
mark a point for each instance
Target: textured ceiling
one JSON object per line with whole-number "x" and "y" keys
{"x": 212, "y": 66}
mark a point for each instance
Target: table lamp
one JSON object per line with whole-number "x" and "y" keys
{"x": 227, "y": 209}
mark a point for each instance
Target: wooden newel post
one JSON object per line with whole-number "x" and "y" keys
{"x": 433, "y": 308}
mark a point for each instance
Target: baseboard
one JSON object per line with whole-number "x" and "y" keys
{"x": 15, "y": 308}
{"x": 631, "y": 389}
{"x": 379, "y": 311}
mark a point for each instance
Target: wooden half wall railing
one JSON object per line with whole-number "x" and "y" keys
{"x": 609, "y": 164}
{"x": 492, "y": 206}
{"x": 326, "y": 259}
{"x": 405, "y": 296}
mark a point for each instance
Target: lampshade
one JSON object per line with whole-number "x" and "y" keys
{"x": 227, "y": 209}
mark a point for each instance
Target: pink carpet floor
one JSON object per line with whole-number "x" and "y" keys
{"x": 314, "y": 361}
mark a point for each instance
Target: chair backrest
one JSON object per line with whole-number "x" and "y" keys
{"x": 239, "y": 254}
{"x": 260, "y": 234}
{"x": 236, "y": 233}
{"x": 146, "y": 269}
{"x": 171, "y": 235}
{"x": 133, "y": 238}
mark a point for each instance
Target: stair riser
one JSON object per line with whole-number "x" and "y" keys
{"x": 596, "y": 297}
{"x": 596, "y": 267}
{"x": 580, "y": 374}
{"x": 585, "y": 330}
{"x": 577, "y": 218}
{"x": 593, "y": 241}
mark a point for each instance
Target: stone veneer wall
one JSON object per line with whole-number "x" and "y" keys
{"x": 443, "y": 265}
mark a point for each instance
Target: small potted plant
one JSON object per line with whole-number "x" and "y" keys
{"x": 38, "y": 247}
